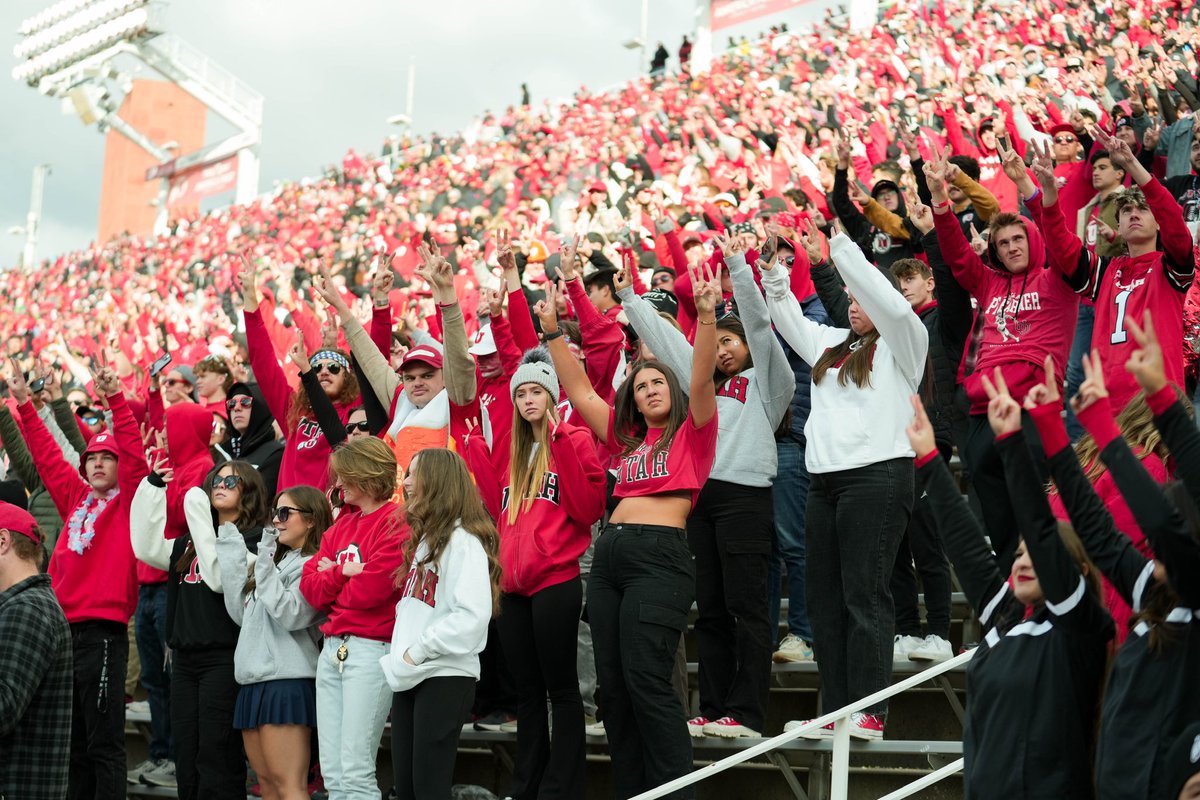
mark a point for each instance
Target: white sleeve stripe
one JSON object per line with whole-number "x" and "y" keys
{"x": 991, "y": 606}
{"x": 1068, "y": 605}
{"x": 1139, "y": 588}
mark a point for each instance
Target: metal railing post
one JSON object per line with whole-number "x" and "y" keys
{"x": 839, "y": 784}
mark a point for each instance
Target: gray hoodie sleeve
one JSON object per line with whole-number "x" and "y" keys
{"x": 60, "y": 439}
{"x": 774, "y": 376}
{"x": 232, "y": 558}
{"x": 669, "y": 345}
{"x": 279, "y": 593}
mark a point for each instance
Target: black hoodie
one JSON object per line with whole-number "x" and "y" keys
{"x": 879, "y": 247}
{"x": 258, "y": 445}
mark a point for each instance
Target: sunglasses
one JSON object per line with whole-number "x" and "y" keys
{"x": 662, "y": 280}
{"x": 1064, "y": 140}
{"x": 283, "y": 513}
{"x": 175, "y": 382}
{"x": 91, "y": 420}
{"x": 352, "y": 427}
{"x": 227, "y": 482}
{"x": 788, "y": 260}
{"x": 236, "y": 402}
{"x": 328, "y": 366}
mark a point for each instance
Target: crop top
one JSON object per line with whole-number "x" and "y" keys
{"x": 684, "y": 466}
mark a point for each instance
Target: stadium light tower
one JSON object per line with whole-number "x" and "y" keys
{"x": 71, "y": 50}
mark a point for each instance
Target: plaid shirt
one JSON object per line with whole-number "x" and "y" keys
{"x": 35, "y": 692}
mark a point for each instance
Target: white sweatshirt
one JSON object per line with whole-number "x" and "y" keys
{"x": 442, "y": 617}
{"x": 852, "y": 427}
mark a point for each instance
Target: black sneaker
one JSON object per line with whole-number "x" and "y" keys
{"x": 493, "y": 721}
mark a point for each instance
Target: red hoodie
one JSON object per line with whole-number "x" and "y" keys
{"x": 101, "y": 582}
{"x": 189, "y": 429}
{"x": 542, "y": 547}
{"x": 362, "y": 605}
{"x": 1025, "y": 317}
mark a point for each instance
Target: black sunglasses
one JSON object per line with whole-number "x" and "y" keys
{"x": 243, "y": 401}
{"x": 91, "y": 420}
{"x": 228, "y": 481}
{"x": 284, "y": 512}
{"x": 352, "y": 427}
{"x": 328, "y": 366}
{"x": 1064, "y": 140}
{"x": 175, "y": 381}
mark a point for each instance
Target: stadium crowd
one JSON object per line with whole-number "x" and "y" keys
{"x": 462, "y": 431}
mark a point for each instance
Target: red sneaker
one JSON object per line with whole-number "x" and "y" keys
{"x": 867, "y": 727}
{"x": 696, "y": 726}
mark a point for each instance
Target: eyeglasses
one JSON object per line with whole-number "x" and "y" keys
{"x": 242, "y": 401}
{"x": 1064, "y": 140}
{"x": 353, "y": 427}
{"x": 227, "y": 482}
{"x": 284, "y": 512}
{"x": 328, "y": 366}
{"x": 175, "y": 382}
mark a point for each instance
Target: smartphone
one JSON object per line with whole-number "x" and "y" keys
{"x": 159, "y": 365}
{"x": 37, "y": 385}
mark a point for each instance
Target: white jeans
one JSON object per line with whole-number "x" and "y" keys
{"x": 352, "y": 708}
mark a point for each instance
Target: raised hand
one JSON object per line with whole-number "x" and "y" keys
{"x": 504, "y": 251}
{"x": 910, "y": 139}
{"x": 438, "y": 273}
{"x": 813, "y": 242}
{"x": 323, "y": 283}
{"x": 979, "y": 244}
{"x": 858, "y": 194}
{"x": 706, "y": 287}
{"x": 495, "y": 302}
{"x": 1152, "y": 135}
{"x": 1004, "y": 413}
{"x": 729, "y": 245}
{"x": 53, "y": 379}
{"x": 843, "y": 149}
{"x": 920, "y": 215}
{"x": 247, "y": 279}
{"x": 107, "y": 381}
{"x": 1145, "y": 363}
{"x": 1046, "y": 392}
{"x": 547, "y": 309}
{"x": 160, "y": 464}
{"x": 566, "y": 258}
{"x": 299, "y": 355}
{"x": 1118, "y": 149}
{"x": 624, "y": 277}
{"x": 1092, "y": 388}
{"x": 1010, "y": 162}
{"x": 920, "y": 430}
{"x": 381, "y": 283}
{"x": 16, "y": 382}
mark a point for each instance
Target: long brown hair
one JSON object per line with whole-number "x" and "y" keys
{"x": 528, "y": 460}
{"x": 301, "y": 406}
{"x": 629, "y": 424}
{"x": 852, "y": 358}
{"x": 448, "y": 499}
{"x": 313, "y": 505}
{"x": 252, "y": 510}
{"x": 733, "y": 325}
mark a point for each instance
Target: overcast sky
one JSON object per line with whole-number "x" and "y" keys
{"x": 331, "y": 73}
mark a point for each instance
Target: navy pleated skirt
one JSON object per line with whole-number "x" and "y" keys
{"x": 289, "y": 701}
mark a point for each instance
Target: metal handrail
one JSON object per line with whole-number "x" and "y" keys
{"x": 841, "y": 738}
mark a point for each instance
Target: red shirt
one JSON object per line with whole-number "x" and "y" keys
{"x": 363, "y": 604}
{"x": 682, "y": 466}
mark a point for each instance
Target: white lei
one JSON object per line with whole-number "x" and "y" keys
{"x": 81, "y": 528}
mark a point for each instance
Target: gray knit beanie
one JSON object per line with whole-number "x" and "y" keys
{"x": 535, "y": 368}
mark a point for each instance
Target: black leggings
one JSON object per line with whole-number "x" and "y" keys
{"x": 539, "y": 636}
{"x": 427, "y": 721}
{"x": 209, "y": 762}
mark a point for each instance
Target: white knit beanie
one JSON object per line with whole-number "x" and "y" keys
{"x": 535, "y": 368}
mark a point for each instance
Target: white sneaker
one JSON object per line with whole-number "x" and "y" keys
{"x": 823, "y": 732}
{"x": 793, "y": 650}
{"x": 595, "y": 729}
{"x": 163, "y": 775}
{"x": 730, "y": 728}
{"x": 934, "y": 648}
{"x": 902, "y": 646}
{"x": 138, "y": 707}
{"x": 134, "y": 776}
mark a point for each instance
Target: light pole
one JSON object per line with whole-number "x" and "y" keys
{"x": 34, "y": 218}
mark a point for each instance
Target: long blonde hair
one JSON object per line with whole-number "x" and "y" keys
{"x": 448, "y": 499}
{"x": 1136, "y": 423}
{"x": 528, "y": 462}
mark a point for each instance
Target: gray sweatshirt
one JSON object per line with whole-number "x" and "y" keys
{"x": 752, "y": 403}
{"x": 279, "y": 628}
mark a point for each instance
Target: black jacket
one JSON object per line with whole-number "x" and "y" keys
{"x": 258, "y": 445}
{"x": 196, "y": 615}
{"x": 878, "y": 246}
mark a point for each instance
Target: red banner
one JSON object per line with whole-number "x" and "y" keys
{"x": 727, "y": 13}
{"x": 191, "y": 187}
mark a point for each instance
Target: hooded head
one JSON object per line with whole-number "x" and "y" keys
{"x": 249, "y": 428}
{"x": 879, "y": 193}
{"x": 1015, "y": 244}
{"x": 189, "y": 432}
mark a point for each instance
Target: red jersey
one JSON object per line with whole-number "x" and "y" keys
{"x": 682, "y": 466}
{"x": 542, "y": 547}
{"x": 363, "y": 604}
{"x": 1125, "y": 288}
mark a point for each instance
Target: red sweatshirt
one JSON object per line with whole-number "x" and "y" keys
{"x": 306, "y": 450}
{"x": 101, "y": 582}
{"x": 1126, "y": 288}
{"x": 1025, "y": 317}
{"x": 542, "y": 547}
{"x": 361, "y": 605}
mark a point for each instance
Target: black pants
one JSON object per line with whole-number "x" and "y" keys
{"x": 100, "y": 652}
{"x": 426, "y": 724}
{"x": 730, "y": 533}
{"x": 987, "y": 477}
{"x": 854, "y": 523}
{"x": 496, "y": 690}
{"x": 922, "y": 546}
{"x": 639, "y": 595}
{"x": 209, "y": 762}
{"x": 539, "y": 636}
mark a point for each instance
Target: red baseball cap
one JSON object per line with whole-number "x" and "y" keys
{"x": 423, "y": 354}
{"x": 18, "y": 520}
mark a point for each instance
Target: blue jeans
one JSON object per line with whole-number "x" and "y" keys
{"x": 788, "y": 549}
{"x": 150, "y": 630}
{"x": 1082, "y": 344}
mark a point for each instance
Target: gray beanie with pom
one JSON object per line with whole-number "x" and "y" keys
{"x": 535, "y": 368}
